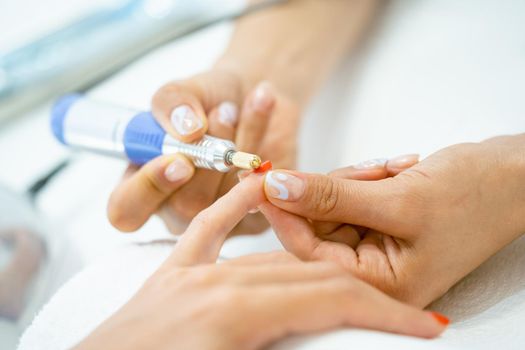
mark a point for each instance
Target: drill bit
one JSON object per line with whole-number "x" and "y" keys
{"x": 243, "y": 160}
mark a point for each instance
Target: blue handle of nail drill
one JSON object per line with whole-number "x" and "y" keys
{"x": 142, "y": 140}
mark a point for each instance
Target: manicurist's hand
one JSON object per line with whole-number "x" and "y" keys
{"x": 213, "y": 103}
{"x": 191, "y": 302}
{"x": 292, "y": 46}
{"x": 415, "y": 234}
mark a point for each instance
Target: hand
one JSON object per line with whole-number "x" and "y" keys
{"x": 207, "y": 103}
{"x": 246, "y": 303}
{"x": 413, "y": 235}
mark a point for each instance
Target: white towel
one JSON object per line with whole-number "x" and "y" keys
{"x": 487, "y": 308}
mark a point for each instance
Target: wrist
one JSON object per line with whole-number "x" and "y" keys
{"x": 295, "y": 45}
{"x": 250, "y": 70}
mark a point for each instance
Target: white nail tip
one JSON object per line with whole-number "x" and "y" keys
{"x": 281, "y": 176}
{"x": 184, "y": 120}
{"x": 371, "y": 163}
{"x": 228, "y": 113}
{"x": 272, "y": 182}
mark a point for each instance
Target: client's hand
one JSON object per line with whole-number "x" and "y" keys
{"x": 413, "y": 235}
{"x": 191, "y": 302}
{"x": 220, "y": 104}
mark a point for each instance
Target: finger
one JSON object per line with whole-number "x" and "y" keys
{"x": 377, "y": 169}
{"x": 140, "y": 194}
{"x": 322, "y": 228}
{"x": 297, "y": 237}
{"x": 203, "y": 188}
{"x": 370, "y": 170}
{"x": 294, "y": 232}
{"x": 306, "y": 307}
{"x": 374, "y": 262}
{"x": 373, "y": 169}
{"x": 206, "y": 233}
{"x": 278, "y": 257}
{"x": 268, "y": 273}
{"x": 398, "y": 164}
{"x": 375, "y": 204}
{"x": 346, "y": 234}
{"x": 181, "y": 107}
{"x": 255, "y": 116}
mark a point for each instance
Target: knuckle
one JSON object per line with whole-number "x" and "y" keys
{"x": 118, "y": 217}
{"x": 205, "y": 277}
{"x": 325, "y": 196}
{"x": 229, "y": 296}
{"x": 162, "y": 281}
{"x": 193, "y": 277}
{"x": 329, "y": 268}
{"x": 408, "y": 199}
{"x": 187, "y": 210}
{"x": 153, "y": 181}
{"x": 348, "y": 287}
{"x": 200, "y": 220}
{"x": 159, "y": 97}
{"x": 167, "y": 93}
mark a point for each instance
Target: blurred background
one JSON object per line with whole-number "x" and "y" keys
{"x": 50, "y": 48}
{"x": 433, "y": 73}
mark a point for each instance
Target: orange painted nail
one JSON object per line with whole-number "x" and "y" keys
{"x": 265, "y": 166}
{"x": 440, "y": 318}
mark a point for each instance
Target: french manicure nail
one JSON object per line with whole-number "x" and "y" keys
{"x": 262, "y": 97}
{"x": 403, "y": 161}
{"x": 177, "y": 170}
{"x": 440, "y": 318}
{"x": 185, "y": 121}
{"x": 283, "y": 186}
{"x": 228, "y": 114}
{"x": 371, "y": 164}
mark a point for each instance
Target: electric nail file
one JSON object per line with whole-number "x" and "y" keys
{"x": 116, "y": 131}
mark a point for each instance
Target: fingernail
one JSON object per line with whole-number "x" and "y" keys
{"x": 228, "y": 113}
{"x": 371, "y": 164}
{"x": 262, "y": 97}
{"x": 440, "y": 318}
{"x": 185, "y": 120}
{"x": 403, "y": 161}
{"x": 283, "y": 186}
{"x": 177, "y": 170}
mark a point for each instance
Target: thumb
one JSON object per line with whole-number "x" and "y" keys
{"x": 374, "y": 204}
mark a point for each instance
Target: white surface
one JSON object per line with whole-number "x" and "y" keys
{"x": 488, "y": 307}
{"x": 110, "y": 284}
{"x": 438, "y": 72}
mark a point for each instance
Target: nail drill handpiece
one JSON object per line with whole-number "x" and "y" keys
{"x": 121, "y": 132}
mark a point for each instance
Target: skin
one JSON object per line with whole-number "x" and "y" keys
{"x": 416, "y": 234}
{"x": 273, "y": 46}
{"x": 191, "y": 302}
